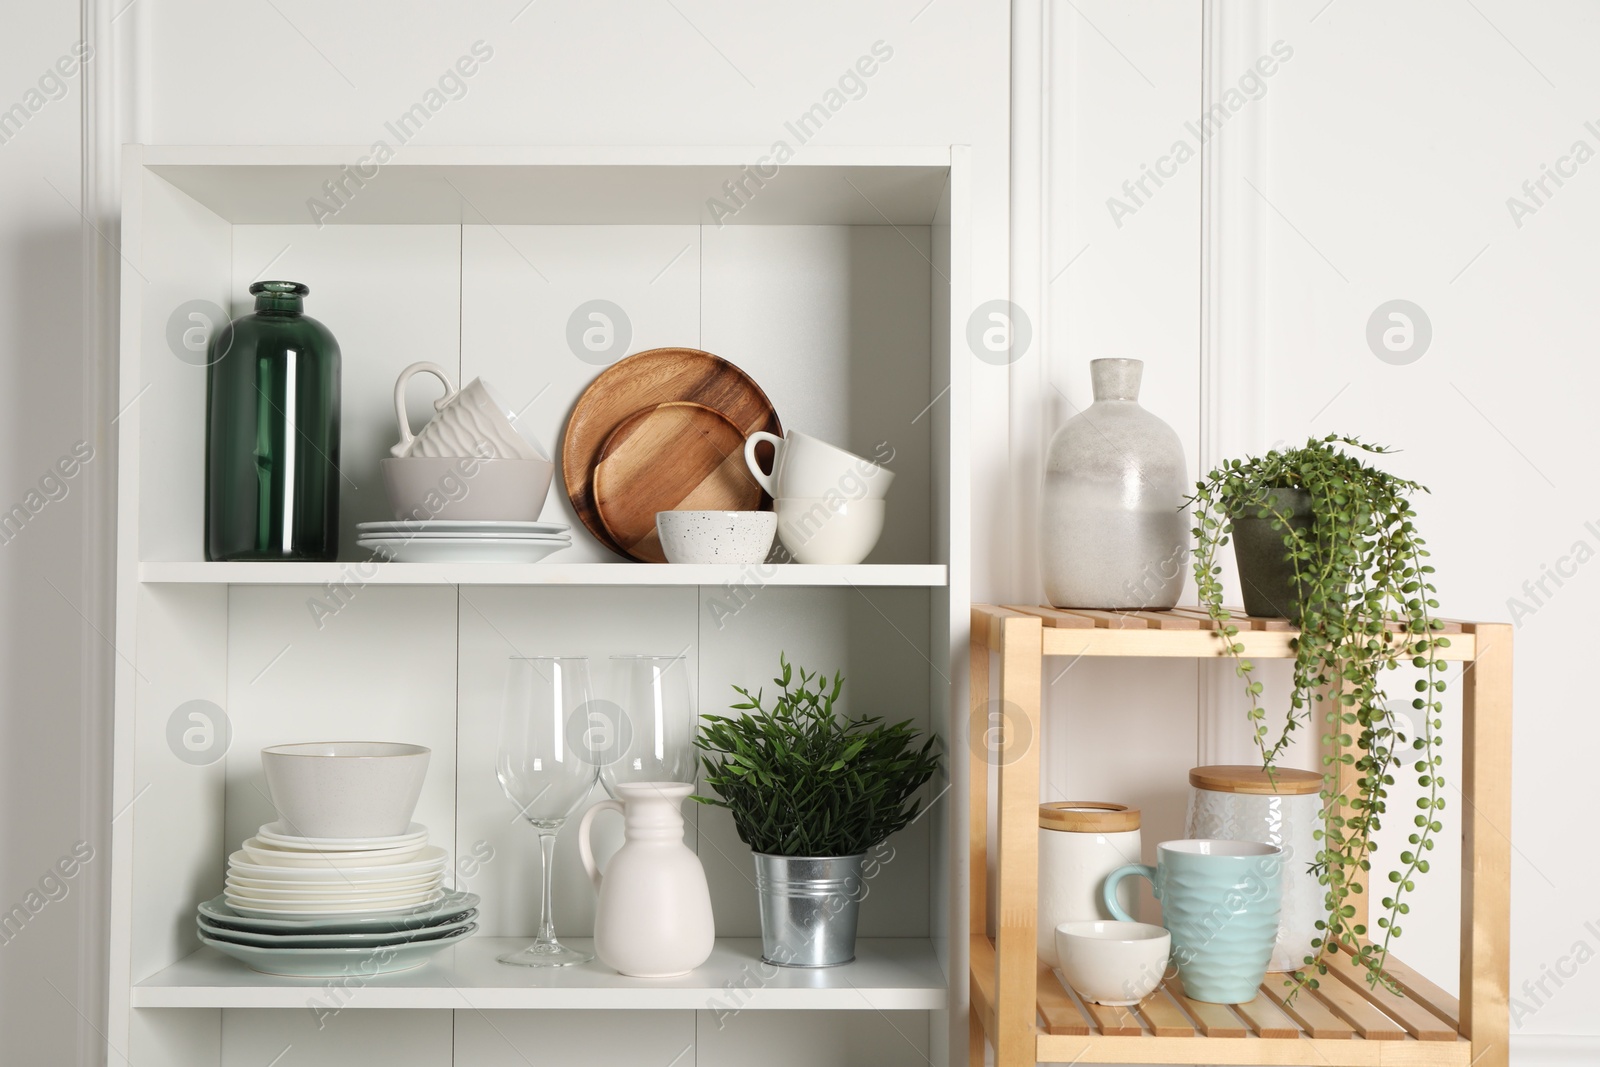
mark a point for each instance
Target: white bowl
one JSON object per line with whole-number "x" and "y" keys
{"x": 716, "y": 536}
{"x": 346, "y": 789}
{"x": 467, "y": 488}
{"x": 829, "y": 529}
{"x": 1115, "y": 963}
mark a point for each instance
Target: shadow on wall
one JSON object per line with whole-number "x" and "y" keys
{"x": 50, "y": 850}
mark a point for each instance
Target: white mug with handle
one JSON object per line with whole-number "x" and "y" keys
{"x": 471, "y": 421}
{"x": 803, "y": 466}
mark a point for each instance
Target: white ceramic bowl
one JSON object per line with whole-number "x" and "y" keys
{"x": 464, "y": 488}
{"x": 828, "y": 529}
{"x": 346, "y": 788}
{"x": 1116, "y": 963}
{"x": 716, "y": 536}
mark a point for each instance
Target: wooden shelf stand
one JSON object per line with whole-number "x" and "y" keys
{"x": 1021, "y": 1008}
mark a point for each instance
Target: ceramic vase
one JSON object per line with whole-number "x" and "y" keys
{"x": 653, "y": 918}
{"x": 1114, "y": 532}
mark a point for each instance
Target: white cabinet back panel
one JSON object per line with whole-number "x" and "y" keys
{"x": 834, "y": 322}
{"x": 499, "y": 622}
{"x": 360, "y": 677}
{"x": 521, "y": 285}
{"x": 322, "y": 1034}
{"x": 591, "y": 1038}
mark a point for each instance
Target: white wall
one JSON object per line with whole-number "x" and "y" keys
{"x": 46, "y": 975}
{"x": 1392, "y": 143}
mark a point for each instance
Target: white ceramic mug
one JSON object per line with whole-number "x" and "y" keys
{"x": 803, "y": 466}
{"x": 829, "y": 530}
{"x": 471, "y": 421}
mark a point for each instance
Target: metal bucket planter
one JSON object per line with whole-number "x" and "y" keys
{"x": 809, "y": 907}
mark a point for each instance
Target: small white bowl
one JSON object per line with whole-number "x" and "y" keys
{"x": 716, "y": 536}
{"x": 1113, "y": 963}
{"x": 467, "y": 488}
{"x": 345, "y": 789}
{"x": 829, "y": 529}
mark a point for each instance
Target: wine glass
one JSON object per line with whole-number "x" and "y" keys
{"x": 544, "y": 772}
{"x": 656, "y": 731}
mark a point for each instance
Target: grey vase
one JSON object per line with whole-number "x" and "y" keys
{"x": 1115, "y": 534}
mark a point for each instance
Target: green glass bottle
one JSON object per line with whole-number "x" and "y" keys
{"x": 272, "y": 433}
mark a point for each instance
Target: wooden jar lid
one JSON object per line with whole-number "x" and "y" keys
{"x": 1088, "y": 817}
{"x": 1246, "y": 778}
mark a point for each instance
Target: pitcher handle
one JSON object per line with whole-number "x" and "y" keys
{"x": 1108, "y": 892}
{"x": 586, "y": 853}
{"x": 769, "y": 482}
{"x": 406, "y": 436}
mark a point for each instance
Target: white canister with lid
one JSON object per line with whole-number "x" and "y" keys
{"x": 1241, "y": 803}
{"x": 1080, "y": 842}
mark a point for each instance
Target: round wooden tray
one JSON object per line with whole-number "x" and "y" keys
{"x": 639, "y": 383}
{"x": 672, "y": 457}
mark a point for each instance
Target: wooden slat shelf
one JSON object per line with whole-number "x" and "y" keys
{"x": 1163, "y": 1028}
{"x": 1023, "y": 1009}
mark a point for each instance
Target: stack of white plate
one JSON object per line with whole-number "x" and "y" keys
{"x": 462, "y": 541}
{"x": 280, "y": 884}
{"x": 278, "y": 875}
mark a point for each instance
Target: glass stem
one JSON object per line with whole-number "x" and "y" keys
{"x": 547, "y": 849}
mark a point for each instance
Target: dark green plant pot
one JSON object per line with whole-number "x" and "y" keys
{"x": 1265, "y": 570}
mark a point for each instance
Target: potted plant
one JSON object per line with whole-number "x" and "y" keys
{"x": 811, "y": 793}
{"x": 1329, "y": 541}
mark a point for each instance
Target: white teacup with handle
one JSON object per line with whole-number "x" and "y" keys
{"x": 803, "y": 466}
{"x": 471, "y": 421}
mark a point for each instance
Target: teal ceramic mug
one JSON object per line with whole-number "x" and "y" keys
{"x": 1220, "y": 900}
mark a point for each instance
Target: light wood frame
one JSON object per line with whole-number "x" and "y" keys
{"x": 1020, "y": 1008}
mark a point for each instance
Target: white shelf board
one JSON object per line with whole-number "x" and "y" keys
{"x": 620, "y": 573}
{"x": 889, "y": 974}
{"x": 517, "y": 185}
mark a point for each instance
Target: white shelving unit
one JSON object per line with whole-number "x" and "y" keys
{"x": 737, "y": 577}
{"x": 840, "y": 286}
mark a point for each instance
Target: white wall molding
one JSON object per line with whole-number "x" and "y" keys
{"x": 1232, "y": 363}
{"x": 1028, "y": 374}
{"x": 111, "y": 31}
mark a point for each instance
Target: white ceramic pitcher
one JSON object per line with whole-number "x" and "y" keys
{"x": 654, "y": 915}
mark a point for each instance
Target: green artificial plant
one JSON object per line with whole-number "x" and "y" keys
{"x": 800, "y": 780}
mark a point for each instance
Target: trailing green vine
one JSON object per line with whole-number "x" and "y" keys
{"x": 1366, "y": 603}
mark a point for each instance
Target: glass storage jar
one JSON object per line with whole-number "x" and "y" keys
{"x": 1240, "y": 803}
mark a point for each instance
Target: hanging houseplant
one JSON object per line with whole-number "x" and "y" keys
{"x": 1327, "y": 540}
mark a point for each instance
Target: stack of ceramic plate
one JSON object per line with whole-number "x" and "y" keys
{"x": 352, "y": 943}
{"x": 280, "y": 884}
{"x": 462, "y": 541}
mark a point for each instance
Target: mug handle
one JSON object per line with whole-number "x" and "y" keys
{"x": 585, "y": 853}
{"x": 406, "y": 436}
{"x": 769, "y": 482}
{"x": 1108, "y": 892}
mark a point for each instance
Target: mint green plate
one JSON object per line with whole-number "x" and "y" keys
{"x": 372, "y": 939}
{"x": 455, "y": 904}
{"x": 336, "y": 962}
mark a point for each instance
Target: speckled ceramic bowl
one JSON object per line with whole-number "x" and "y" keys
{"x": 716, "y": 536}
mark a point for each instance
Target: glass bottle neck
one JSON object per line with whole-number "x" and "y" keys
{"x": 281, "y": 303}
